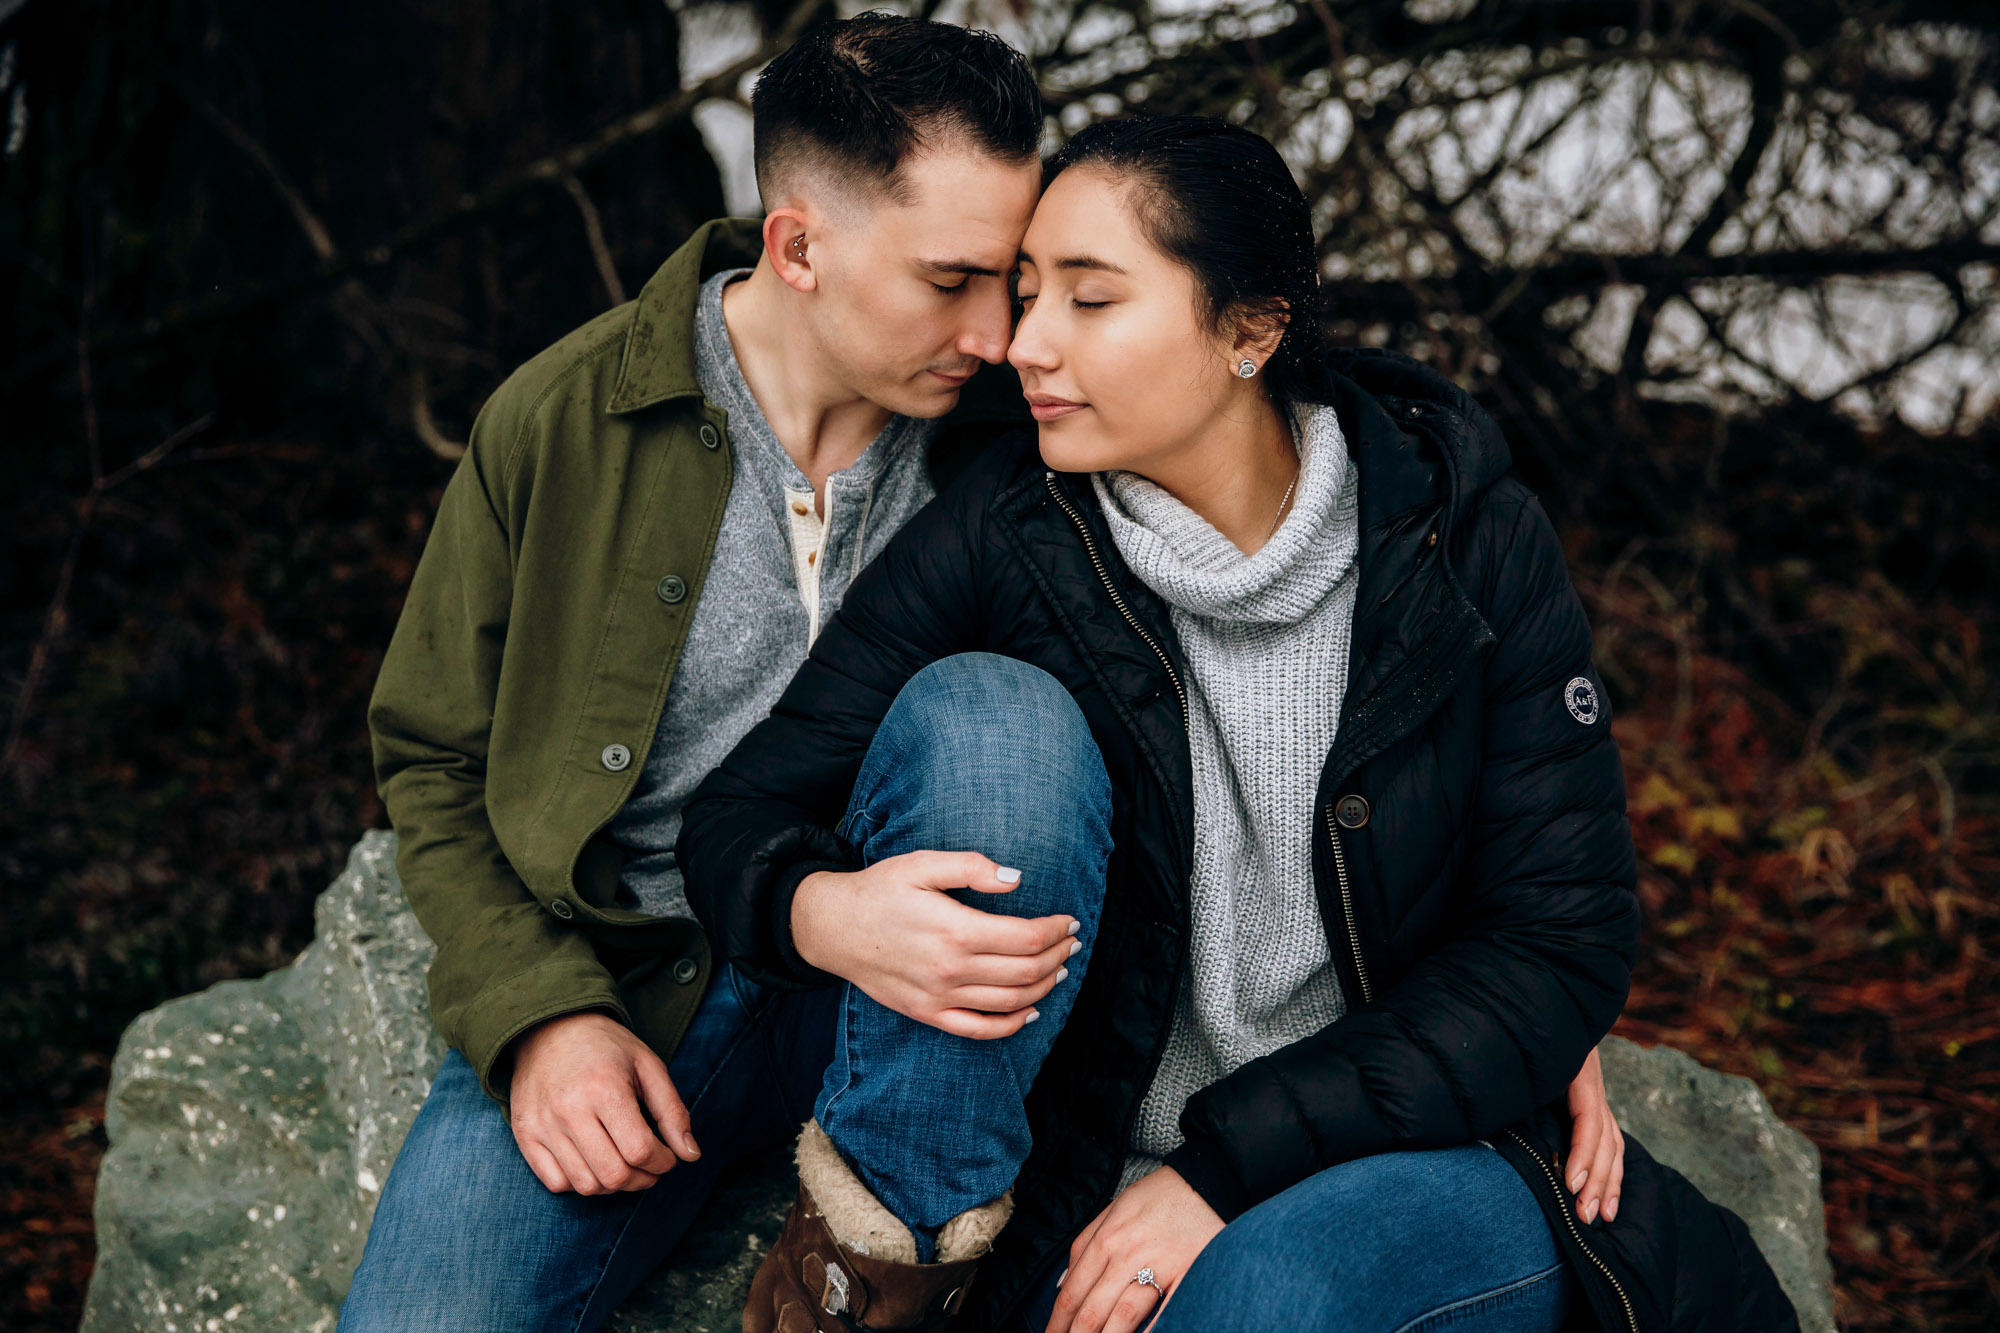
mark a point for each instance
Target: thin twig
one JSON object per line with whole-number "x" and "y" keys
{"x": 593, "y": 230}
{"x": 57, "y": 616}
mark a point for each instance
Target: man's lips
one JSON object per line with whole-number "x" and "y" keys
{"x": 1048, "y": 407}
{"x": 953, "y": 380}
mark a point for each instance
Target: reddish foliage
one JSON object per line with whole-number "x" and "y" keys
{"x": 1831, "y": 937}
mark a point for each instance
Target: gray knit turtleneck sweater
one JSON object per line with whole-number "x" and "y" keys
{"x": 1265, "y": 639}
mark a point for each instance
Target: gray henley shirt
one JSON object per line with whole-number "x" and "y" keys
{"x": 777, "y": 575}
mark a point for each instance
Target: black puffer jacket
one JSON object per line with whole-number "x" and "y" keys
{"x": 1472, "y": 857}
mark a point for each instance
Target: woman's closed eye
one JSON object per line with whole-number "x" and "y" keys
{"x": 1023, "y": 299}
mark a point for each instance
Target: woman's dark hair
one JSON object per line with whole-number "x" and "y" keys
{"x": 1220, "y": 201}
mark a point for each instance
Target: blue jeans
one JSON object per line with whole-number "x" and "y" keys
{"x": 1410, "y": 1242}
{"x": 934, "y": 1123}
{"x": 465, "y": 1237}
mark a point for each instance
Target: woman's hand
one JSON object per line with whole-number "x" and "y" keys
{"x": 1596, "y": 1145}
{"x": 1159, "y": 1223}
{"x": 893, "y": 931}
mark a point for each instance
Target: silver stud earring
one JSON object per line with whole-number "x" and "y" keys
{"x": 1246, "y": 368}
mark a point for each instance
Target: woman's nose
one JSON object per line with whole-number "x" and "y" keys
{"x": 1030, "y": 350}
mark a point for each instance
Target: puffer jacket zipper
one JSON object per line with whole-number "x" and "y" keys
{"x": 1117, "y": 598}
{"x": 1347, "y": 907}
{"x": 1576, "y": 1232}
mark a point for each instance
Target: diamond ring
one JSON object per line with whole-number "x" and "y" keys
{"x": 1144, "y": 1277}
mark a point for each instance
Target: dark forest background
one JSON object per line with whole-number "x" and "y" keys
{"x": 1727, "y": 272}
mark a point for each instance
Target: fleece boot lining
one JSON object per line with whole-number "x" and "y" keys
{"x": 858, "y": 1220}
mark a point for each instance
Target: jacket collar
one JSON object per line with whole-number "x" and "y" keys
{"x": 659, "y": 342}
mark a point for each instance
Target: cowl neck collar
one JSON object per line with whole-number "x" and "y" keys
{"x": 1197, "y": 570}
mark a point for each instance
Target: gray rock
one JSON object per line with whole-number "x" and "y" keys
{"x": 252, "y": 1126}
{"x": 1718, "y": 1131}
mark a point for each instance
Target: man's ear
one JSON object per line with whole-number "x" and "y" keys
{"x": 788, "y": 245}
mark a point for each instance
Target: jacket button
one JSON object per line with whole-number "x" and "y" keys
{"x": 616, "y": 758}
{"x": 686, "y": 970}
{"x": 672, "y": 589}
{"x": 1351, "y": 810}
{"x": 711, "y": 437}
{"x": 561, "y": 909}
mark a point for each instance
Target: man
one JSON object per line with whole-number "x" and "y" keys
{"x": 654, "y": 519}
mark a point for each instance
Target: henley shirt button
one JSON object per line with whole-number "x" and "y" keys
{"x": 561, "y": 909}
{"x": 686, "y": 970}
{"x": 616, "y": 758}
{"x": 710, "y": 438}
{"x": 1431, "y": 540}
{"x": 1351, "y": 810}
{"x": 672, "y": 589}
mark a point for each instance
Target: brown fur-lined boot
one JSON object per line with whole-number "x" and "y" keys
{"x": 844, "y": 1264}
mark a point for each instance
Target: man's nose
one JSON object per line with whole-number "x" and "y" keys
{"x": 986, "y": 329}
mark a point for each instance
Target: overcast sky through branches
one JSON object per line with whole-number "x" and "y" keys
{"x": 1528, "y": 154}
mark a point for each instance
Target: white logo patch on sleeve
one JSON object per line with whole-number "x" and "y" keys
{"x": 1580, "y": 697}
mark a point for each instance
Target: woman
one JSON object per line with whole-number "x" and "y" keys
{"x": 1357, "y": 907}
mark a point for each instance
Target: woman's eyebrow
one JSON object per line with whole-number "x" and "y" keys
{"x": 1090, "y": 262}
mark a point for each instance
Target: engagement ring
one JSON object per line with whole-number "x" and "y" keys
{"x": 1144, "y": 1277}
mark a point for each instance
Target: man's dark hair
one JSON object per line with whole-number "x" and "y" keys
{"x": 859, "y": 95}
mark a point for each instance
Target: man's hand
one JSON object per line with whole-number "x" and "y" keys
{"x": 892, "y": 930}
{"x": 575, "y": 1100}
{"x": 1597, "y": 1145}
{"x": 1159, "y": 1223}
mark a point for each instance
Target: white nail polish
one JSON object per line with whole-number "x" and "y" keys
{"x": 1075, "y": 925}
{"x": 1033, "y": 1014}
{"x": 1075, "y": 948}
{"x": 1062, "y": 975}
{"x": 1008, "y": 875}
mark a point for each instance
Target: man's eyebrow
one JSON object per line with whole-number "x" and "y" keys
{"x": 965, "y": 266}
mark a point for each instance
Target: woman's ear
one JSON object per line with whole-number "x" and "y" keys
{"x": 1259, "y": 331}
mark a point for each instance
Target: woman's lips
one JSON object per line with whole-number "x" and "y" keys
{"x": 1048, "y": 407}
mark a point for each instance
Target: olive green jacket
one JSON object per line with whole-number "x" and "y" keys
{"x": 524, "y": 683}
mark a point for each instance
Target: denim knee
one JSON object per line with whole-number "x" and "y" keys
{"x": 1403, "y": 1240}
{"x": 992, "y": 710}
{"x": 984, "y": 753}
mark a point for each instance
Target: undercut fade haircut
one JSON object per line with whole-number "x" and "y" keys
{"x": 855, "y": 97}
